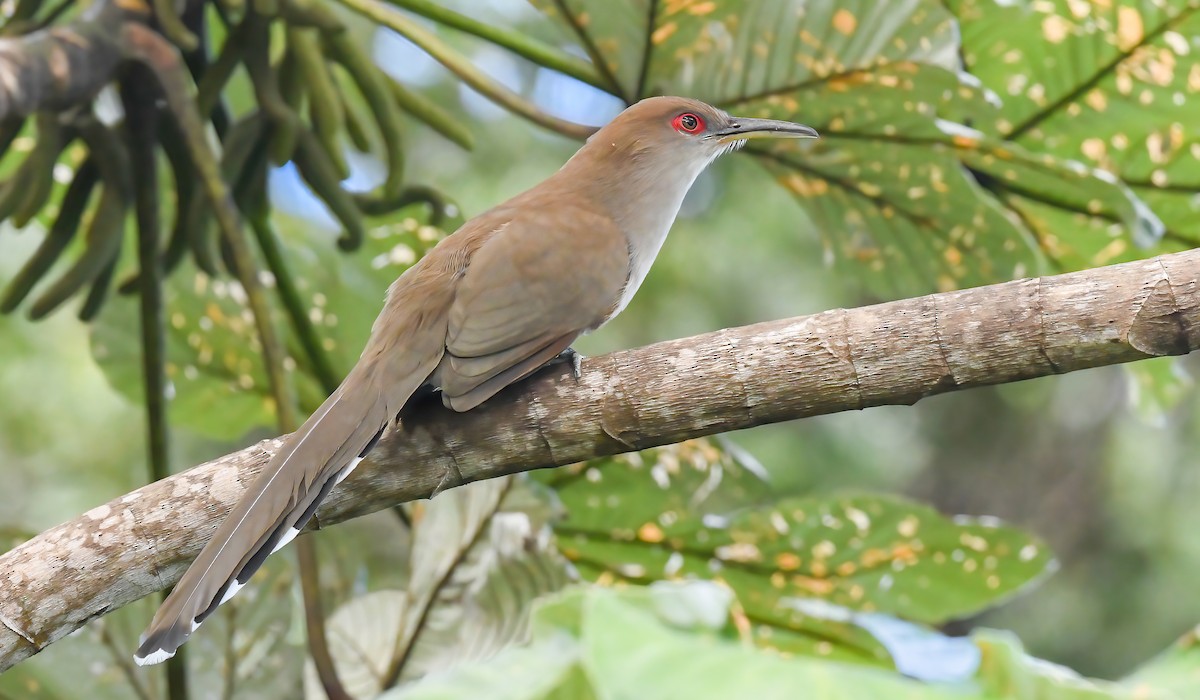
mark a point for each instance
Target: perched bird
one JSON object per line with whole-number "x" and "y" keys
{"x": 502, "y": 296}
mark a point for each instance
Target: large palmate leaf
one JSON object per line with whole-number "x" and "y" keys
{"x": 898, "y": 185}
{"x": 1107, "y": 84}
{"x": 693, "y": 512}
{"x": 1110, "y": 85}
{"x": 214, "y": 360}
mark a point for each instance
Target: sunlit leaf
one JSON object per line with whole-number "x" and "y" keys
{"x": 728, "y": 51}
{"x": 1174, "y": 674}
{"x": 1007, "y": 671}
{"x": 899, "y": 187}
{"x": 628, "y": 646}
{"x": 637, "y": 521}
{"x": 622, "y": 510}
{"x": 1111, "y": 85}
{"x": 601, "y": 643}
{"x": 547, "y": 669}
{"x": 623, "y": 643}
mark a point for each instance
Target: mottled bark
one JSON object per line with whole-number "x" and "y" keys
{"x": 894, "y": 353}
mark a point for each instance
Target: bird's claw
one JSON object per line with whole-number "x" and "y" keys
{"x": 574, "y": 358}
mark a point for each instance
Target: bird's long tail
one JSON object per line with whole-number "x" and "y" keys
{"x": 273, "y": 510}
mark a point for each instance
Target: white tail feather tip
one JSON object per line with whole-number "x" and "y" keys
{"x": 287, "y": 537}
{"x": 230, "y": 592}
{"x": 346, "y": 472}
{"x": 156, "y": 657}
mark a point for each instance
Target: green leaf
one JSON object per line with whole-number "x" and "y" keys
{"x": 1174, "y": 674}
{"x": 214, "y": 359}
{"x": 600, "y": 643}
{"x": 1102, "y": 84}
{"x": 727, "y": 51}
{"x": 901, "y": 190}
{"x": 1158, "y": 385}
{"x": 628, "y": 645}
{"x": 591, "y": 642}
{"x": 1008, "y": 672}
{"x": 548, "y": 669}
{"x": 639, "y": 521}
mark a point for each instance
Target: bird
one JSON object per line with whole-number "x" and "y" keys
{"x": 501, "y": 297}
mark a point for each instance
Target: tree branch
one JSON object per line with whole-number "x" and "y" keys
{"x": 894, "y": 353}
{"x": 57, "y": 68}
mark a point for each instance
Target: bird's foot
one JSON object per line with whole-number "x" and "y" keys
{"x": 570, "y": 356}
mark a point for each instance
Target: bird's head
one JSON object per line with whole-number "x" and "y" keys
{"x": 682, "y": 131}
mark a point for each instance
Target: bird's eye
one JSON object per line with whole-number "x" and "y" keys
{"x": 688, "y": 123}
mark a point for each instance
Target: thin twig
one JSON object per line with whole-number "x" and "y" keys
{"x": 465, "y": 70}
{"x": 147, "y": 46}
{"x": 141, "y": 121}
{"x": 521, "y": 44}
{"x": 120, "y": 657}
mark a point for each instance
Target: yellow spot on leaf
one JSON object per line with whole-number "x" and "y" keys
{"x": 1094, "y": 148}
{"x": 663, "y": 33}
{"x": 214, "y": 312}
{"x": 874, "y": 557}
{"x": 740, "y": 552}
{"x": 1097, "y": 100}
{"x": 133, "y": 6}
{"x": 908, "y": 526}
{"x": 819, "y": 586}
{"x": 904, "y": 553}
{"x": 844, "y": 21}
{"x": 787, "y": 561}
{"x": 1129, "y": 27}
{"x": 1055, "y": 28}
{"x": 650, "y": 533}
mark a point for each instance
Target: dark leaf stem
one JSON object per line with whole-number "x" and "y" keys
{"x": 141, "y": 122}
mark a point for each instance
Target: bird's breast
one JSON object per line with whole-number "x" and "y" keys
{"x": 646, "y": 234}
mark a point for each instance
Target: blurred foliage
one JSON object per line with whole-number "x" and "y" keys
{"x": 213, "y": 350}
{"x": 964, "y": 142}
{"x": 679, "y": 641}
{"x": 692, "y": 512}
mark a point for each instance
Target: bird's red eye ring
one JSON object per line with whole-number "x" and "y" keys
{"x": 688, "y": 123}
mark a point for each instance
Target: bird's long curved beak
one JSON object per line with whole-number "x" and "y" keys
{"x": 743, "y": 128}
